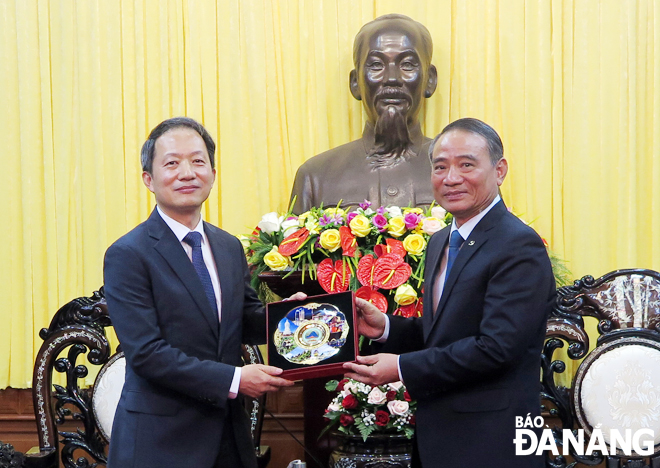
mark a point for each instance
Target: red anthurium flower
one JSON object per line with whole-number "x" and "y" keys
{"x": 292, "y": 243}
{"x": 333, "y": 277}
{"x": 382, "y": 418}
{"x": 392, "y": 246}
{"x": 369, "y": 294}
{"x": 348, "y": 241}
{"x": 416, "y": 309}
{"x": 390, "y": 271}
{"x": 365, "y": 270}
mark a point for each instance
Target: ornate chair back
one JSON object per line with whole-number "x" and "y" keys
{"x": 81, "y": 326}
{"x": 616, "y": 389}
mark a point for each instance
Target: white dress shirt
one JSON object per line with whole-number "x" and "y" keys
{"x": 181, "y": 231}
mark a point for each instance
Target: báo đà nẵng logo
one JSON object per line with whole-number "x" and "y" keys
{"x": 626, "y": 441}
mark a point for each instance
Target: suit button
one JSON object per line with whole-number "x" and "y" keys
{"x": 392, "y": 190}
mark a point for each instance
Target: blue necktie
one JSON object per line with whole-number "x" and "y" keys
{"x": 194, "y": 239}
{"x": 455, "y": 242}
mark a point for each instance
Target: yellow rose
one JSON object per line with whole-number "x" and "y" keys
{"x": 414, "y": 244}
{"x": 335, "y": 211}
{"x": 413, "y": 210}
{"x": 397, "y": 226}
{"x": 405, "y": 295}
{"x": 330, "y": 239}
{"x": 360, "y": 226}
{"x": 275, "y": 260}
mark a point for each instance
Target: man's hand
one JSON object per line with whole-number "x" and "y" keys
{"x": 370, "y": 320}
{"x": 257, "y": 379}
{"x": 299, "y": 296}
{"x": 377, "y": 369}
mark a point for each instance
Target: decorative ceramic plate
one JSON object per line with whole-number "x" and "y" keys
{"x": 311, "y": 333}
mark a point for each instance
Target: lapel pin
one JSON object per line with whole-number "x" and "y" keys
{"x": 471, "y": 243}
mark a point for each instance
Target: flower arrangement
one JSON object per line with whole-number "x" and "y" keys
{"x": 378, "y": 252}
{"x": 360, "y": 409}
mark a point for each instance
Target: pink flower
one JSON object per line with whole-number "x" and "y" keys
{"x": 376, "y": 396}
{"x": 380, "y": 222}
{"x": 432, "y": 225}
{"x": 397, "y": 407}
{"x": 411, "y": 220}
{"x": 350, "y": 217}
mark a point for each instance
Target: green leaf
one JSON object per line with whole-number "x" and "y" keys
{"x": 365, "y": 431}
{"x": 331, "y": 385}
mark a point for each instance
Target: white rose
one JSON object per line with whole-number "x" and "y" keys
{"x": 432, "y": 225}
{"x": 350, "y": 387}
{"x": 376, "y": 396}
{"x": 395, "y": 385}
{"x": 334, "y": 407}
{"x": 397, "y": 408}
{"x": 289, "y": 226}
{"x": 438, "y": 212}
{"x": 394, "y": 211}
{"x": 270, "y": 222}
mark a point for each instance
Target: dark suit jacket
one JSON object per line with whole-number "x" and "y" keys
{"x": 474, "y": 365}
{"x": 179, "y": 362}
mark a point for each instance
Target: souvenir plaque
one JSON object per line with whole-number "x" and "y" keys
{"x": 313, "y": 337}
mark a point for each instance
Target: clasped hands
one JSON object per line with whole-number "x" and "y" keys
{"x": 377, "y": 369}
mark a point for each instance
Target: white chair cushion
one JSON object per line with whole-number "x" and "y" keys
{"x": 107, "y": 390}
{"x": 621, "y": 390}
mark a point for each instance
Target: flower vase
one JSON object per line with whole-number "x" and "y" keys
{"x": 378, "y": 451}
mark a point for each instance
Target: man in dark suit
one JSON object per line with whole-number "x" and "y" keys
{"x": 179, "y": 298}
{"x": 473, "y": 360}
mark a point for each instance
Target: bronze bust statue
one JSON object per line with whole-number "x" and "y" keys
{"x": 389, "y": 165}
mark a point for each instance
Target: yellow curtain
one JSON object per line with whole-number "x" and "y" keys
{"x": 571, "y": 85}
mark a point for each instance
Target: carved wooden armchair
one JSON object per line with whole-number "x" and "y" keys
{"x": 79, "y": 328}
{"x": 617, "y": 386}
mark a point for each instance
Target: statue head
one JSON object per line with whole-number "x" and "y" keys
{"x": 393, "y": 73}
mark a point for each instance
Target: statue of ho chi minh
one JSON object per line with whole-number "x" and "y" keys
{"x": 389, "y": 165}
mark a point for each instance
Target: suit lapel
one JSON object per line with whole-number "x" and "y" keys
{"x": 437, "y": 244}
{"x": 222, "y": 260}
{"x": 169, "y": 247}
{"x": 477, "y": 238}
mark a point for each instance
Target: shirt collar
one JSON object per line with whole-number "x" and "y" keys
{"x": 466, "y": 229}
{"x": 179, "y": 230}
